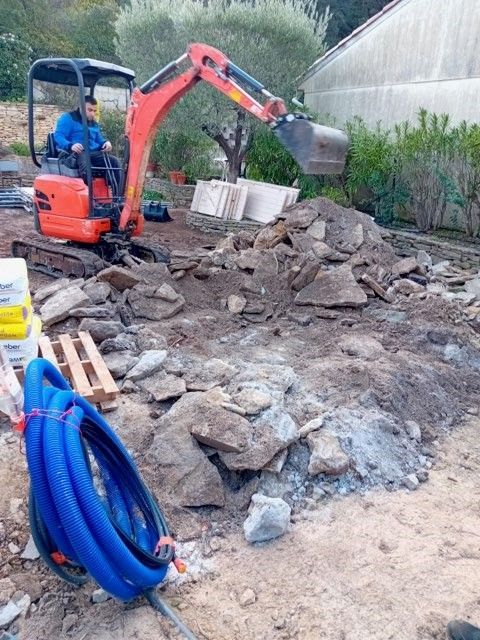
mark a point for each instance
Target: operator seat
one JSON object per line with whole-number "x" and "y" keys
{"x": 53, "y": 160}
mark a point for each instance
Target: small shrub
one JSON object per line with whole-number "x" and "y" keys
{"x": 20, "y": 148}
{"x": 151, "y": 194}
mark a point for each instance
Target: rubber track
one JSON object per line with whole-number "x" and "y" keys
{"x": 57, "y": 260}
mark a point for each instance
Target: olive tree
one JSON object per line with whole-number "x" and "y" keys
{"x": 273, "y": 40}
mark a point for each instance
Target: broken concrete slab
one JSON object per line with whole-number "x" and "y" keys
{"x": 248, "y": 259}
{"x": 268, "y": 518}
{"x": 47, "y": 291}
{"x": 163, "y": 386}
{"x": 305, "y": 276}
{"x": 183, "y": 474}
{"x": 300, "y": 218}
{"x": 122, "y": 342}
{"x": 326, "y": 454}
{"x": 119, "y": 277}
{"x": 98, "y": 292}
{"x": 101, "y": 330}
{"x": 267, "y": 267}
{"x": 211, "y": 424}
{"x": 58, "y": 306}
{"x": 272, "y": 432}
{"x": 119, "y": 362}
{"x": 336, "y": 288}
{"x": 317, "y": 230}
{"x": 146, "y": 306}
{"x": 200, "y": 375}
{"x": 149, "y": 363}
{"x": 147, "y": 339}
{"x": 405, "y": 266}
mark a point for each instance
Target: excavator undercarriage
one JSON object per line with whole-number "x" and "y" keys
{"x": 67, "y": 259}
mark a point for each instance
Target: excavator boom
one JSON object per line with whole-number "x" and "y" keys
{"x": 316, "y": 148}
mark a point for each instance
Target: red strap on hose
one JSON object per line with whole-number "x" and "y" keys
{"x": 58, "y": 557}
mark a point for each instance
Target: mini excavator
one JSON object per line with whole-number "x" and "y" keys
{"x": 81, "y": 224}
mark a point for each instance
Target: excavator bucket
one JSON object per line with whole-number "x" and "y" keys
{"x": 316, "y": 148}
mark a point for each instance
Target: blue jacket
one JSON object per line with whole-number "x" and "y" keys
{"x": 69, "y": 131}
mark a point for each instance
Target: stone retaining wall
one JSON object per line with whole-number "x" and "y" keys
{"x": 408, "y": 244}
{"x": 14, "y": 122}
{"x": 209, "y": 224}
{"x": 180, "y": 195}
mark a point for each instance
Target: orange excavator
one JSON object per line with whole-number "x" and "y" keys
{"x": 92, "y": 224}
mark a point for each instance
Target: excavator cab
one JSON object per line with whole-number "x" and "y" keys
{"x": 65, "y": 205}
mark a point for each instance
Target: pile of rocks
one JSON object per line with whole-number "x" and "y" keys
{"x": 317, "y": 256}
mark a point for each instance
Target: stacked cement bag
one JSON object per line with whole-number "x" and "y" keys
{"x": 20, "y": 328}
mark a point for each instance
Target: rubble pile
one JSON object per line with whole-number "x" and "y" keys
{"x": 244, "y": 418}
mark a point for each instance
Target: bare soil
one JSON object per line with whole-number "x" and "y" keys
{"x": 373, "y": 564}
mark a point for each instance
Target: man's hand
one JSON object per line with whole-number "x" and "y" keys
{"x": 77, "y": 147}
{"x": 107, "y": 147}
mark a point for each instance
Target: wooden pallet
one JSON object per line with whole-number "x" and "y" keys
{"x": 79, "y": 360}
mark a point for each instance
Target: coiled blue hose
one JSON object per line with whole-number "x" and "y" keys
{"x": 87, "y": 499}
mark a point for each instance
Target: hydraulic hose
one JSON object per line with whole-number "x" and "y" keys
{"x": 90, "y": 512}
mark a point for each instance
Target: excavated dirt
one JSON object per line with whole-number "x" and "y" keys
{"x": 364, "y": 559}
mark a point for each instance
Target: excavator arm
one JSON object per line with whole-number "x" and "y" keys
{"x": 317, "y": 149}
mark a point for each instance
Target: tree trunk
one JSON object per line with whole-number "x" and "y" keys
{"x": 235, "y": 153}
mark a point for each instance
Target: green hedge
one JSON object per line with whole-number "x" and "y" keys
{"x": 421, "y": 170}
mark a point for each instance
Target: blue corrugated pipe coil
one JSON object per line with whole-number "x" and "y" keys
{"x": 90, "y": 511}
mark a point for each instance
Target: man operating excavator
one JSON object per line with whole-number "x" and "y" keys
{"x": 69, "y": 139}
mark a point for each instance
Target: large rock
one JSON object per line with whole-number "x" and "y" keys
{"x": 300, "y": 217}
{"x": 8, "y": 613}
{"x": 268, "y": 518}
{"x": 253, "y": 401}
{"x": 336, "y": 288}
{"x": 248, "y": 259}
{"x": 148, "y": 339}
{"x": 58, "y": 307}
{"x": 306, "y": 275}
{"x": 98, "y": 292}
{"x": 201, "y": 375}
{"x": 145, "y": 305}
{"x": 183, "y": 473}
{"x": 122, "y": 342}
{"x": 326, "y": 454}
{"x": 47, "y": 291}
{"x": 270, "y": 236}
{"x": 272, "y": 432}
{"x": 101, "y": 330}
{"x": 119, "y": 277}
{"x": 119, "y": 362}
{"x": 150, "y": 362}
{"x": 211, "y": 424}
{"x": 267, "y": 267}
{"x": 317, "y": 230}
{"x": 402, "y": 267}
{"x": 164, "y": 386}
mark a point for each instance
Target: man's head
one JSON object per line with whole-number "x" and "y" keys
{"x": 90, "y": 107}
